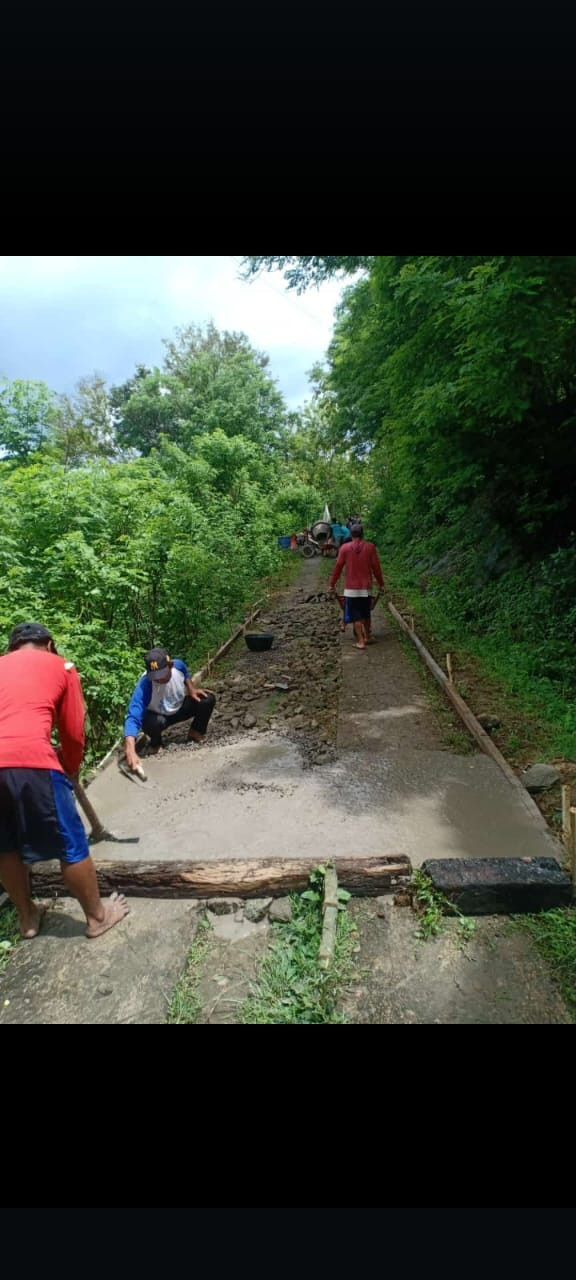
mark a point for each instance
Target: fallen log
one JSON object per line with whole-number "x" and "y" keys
{"x": 237, "y": 878}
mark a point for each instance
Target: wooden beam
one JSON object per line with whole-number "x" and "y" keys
{"x": 237, "y": 878}
{"x": 566, "y": 825}
{"x": 476, "y": 729}
{"x": 330, "y": 913}
{"x": 572, "y": 816}
{"x": 500, "y": 886}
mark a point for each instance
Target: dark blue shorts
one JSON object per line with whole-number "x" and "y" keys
{"x": 358, "y": 608}
{"x": 38, "y": 817}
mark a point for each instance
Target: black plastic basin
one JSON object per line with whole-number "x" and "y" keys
{"x": 259, "y": 642}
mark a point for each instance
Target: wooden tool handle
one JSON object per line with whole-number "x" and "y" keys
{"x": 84, "y": 803}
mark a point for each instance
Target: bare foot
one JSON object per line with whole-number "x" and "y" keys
{"x": 30, "y": 927}
{"x": 115, "y": 908}
{"x": 194, "y": 736}
{"x": 359, "y": 646}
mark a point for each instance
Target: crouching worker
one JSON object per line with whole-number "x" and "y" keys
{"x": 165, "y": 695}
{"x": 39, "y": 820}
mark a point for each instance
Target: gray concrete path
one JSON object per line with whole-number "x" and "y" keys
{"x": 392, "y": 789}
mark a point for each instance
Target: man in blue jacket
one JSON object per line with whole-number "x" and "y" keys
{"x": 165, "y": 695}
{"x": 340, "y": 533}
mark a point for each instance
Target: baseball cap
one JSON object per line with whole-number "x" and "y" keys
{"x": 29, "y": 633}
{"x": 157, "y": 662}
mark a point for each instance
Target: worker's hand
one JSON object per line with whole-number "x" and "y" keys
{"x": 133, "y": 761}
{"x": 199, "y": 694}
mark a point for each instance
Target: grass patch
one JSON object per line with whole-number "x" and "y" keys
{"x": 185, "y": 1005}
{"x": 9, "y": 935}
{"x": 503, "y": 671}
{"x": 433, "y": 907}
{"x": 290, "y": 987}
{"x": 554, "y": 933}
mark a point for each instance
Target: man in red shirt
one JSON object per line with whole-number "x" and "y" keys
{"x": 360, "y": 560}
{"x": 38, "y": 817}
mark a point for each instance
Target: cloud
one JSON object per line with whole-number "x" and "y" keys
{"x": 62, "y": 317}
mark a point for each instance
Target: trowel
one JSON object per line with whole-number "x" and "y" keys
{"x": 137, "y": 775}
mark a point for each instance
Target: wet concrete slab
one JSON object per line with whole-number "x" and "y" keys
{"x": 392, "y": 788}
{"x": 255, "y": 798}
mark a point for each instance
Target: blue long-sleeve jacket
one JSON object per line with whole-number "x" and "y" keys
{"x": 140, "y": 699}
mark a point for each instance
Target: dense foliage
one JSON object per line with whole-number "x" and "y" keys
{"x": 455, "y": 379}
{"x": 445, "y": 413}
{"x": 147, "y": 514}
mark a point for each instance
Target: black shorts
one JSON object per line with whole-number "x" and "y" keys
{"x": 357, "y": 608}
{"x": 38, "y": 817}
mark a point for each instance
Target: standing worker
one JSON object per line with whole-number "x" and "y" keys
{"x": 361, "y": 563}
{"x": 39, "y": 820}
{"x": 165, "y": 695}
{"x": 340, "y": 533}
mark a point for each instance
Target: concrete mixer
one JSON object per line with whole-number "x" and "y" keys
{"x": 319, "y": 541}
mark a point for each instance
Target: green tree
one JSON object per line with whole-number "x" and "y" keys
{"x": 210, "y": 381}
{"x": 27, "y": 416}
{"x": 458, "y": 369}
{"x": 84, "y": 424}
{"x": 301, "y": 273}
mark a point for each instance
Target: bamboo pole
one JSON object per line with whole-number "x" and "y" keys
{"x": 478, "y": 732}
{"x": 573, "y": 847}
{"x": 330, "y": 913}
{"x": 449, "y": 668}
{"x": 566, "y": 825}
{"x": 241, "y": 630}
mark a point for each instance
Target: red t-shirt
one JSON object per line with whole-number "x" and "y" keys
{"x": 37, "y": 690}
{"x": 360, "y": 559}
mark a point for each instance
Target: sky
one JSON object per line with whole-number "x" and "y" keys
{"x": 62, "y": 318}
